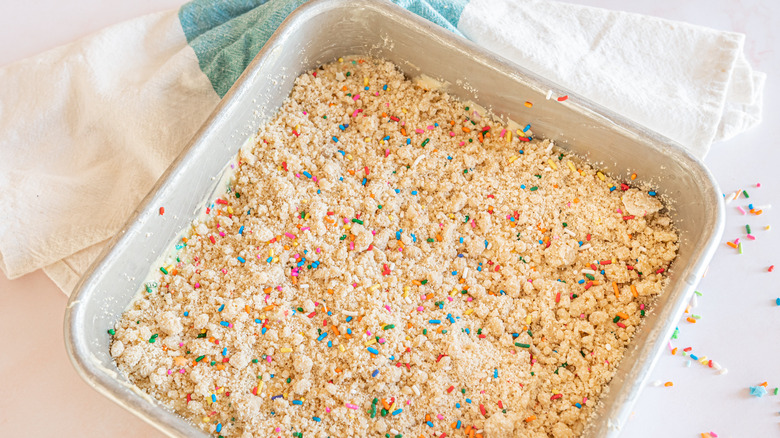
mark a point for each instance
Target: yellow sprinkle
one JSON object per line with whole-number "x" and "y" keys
{"x": 347, "y": 226}
{"x": 275, "y": 260}
{"x": 406, "y": 291}
{"x": 374, "y": 287}
{"x": 341, "y": 59}
{"x": 468, "y": 312}
{"x": 513, "y": 158}
{"x": 298, "y": 128}
{"x": 205, "y": 419}
{"x": 270, "y": 253}
{"x": 391, "y": 407}
{"x": 391, "y": 217}
{"x": 527, "y": 319}
{"x": 767, "y": 227}
{"x": 452, "y": 216}
{"x": 372, "y": 341}
{"x": 509, "y": 137}
{"x": 285, "y": 349}
{"x": 349, "y": 157}
{"x": 295, "y": 243}
{"x": 365, "y": 81}
{"x": 552, "y": 164}
{"x": 367, "y": 139}
{"x": 571, "y": 166}
{"x": 230, "y": 209}
{"x": 260, "y": 387}
{"x": 341, "y": 347}
{"x": 600, "y": 175}
{"x": 403, "y": 109}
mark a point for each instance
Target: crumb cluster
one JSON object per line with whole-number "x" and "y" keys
{"x": 390, "y": 262}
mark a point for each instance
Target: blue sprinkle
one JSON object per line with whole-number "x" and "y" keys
{"x": 522, "y": 186}
{"x": 468, "y": 332}
{"x": 602, "y": 272}
{"x": 527, "y": 127}
{"x": 457, "y": 426}
{"x": 541, "y": 242}
{"x": 221, "y": 308}
{"x": 456, "y": 272}
{"x": 317, "y": 419}
{"x": 408, "y": 141}
{"x": 306, "y": 174}
{"x": 435, "y": 124}
{"x": 511, "y": 218}
{"x": 297, "y": 402}
{"x": 398, "y": 234}
{"x": 387, "y": 137}
{"x": 341, "y": 178}
{"x": 241, "y": 230}
{"x": 219, "y": 427}
{"x": 435, "y": 321}
{"x": 777, "y": 301}
{"x": 214, "y": 398}
{"x": 461, "y": 240}
{"x": 414, "y": 238}
{"x": 330, "y": 344}
{"x": 269, "y": 259}
{"x": 384, "y": 87}
{"x": 450, "y": 318}
{"x": 322, "y": 336}
{"x": 520, "y": 151}
{"x": 612, "y": 189}
{"x": 265, "y": 329}
{"x": 486, "y": 243}
{"x": 414, "y": 192}
{"x": 349, "y": 330}
{"x": 468, "y": 400}
{"x": 579, "y": 406}
{"x": 449, "y": 157}
{"x": 349, "y": 318}
{"x": 651, "y": 193}
{"x": 342, "y": 127}
{"x": 276, "y": 396}
{"x": 495, "y": 373}
{"x": 335, "y": 139}
{"x": 374, "y": 373}
{"x": 460, "y": 256}
{"x": 457, "y": 405}
{"x": 342, "y": 152}
{"x": 365, "y": 88}
{"x": 241, "y": 259}
{"x": 750, "y": 206}
{"x": 188, "y": 313}
{"x": 373, "y": 350}
{"x": 581, "y": 281}
{"x": 224, "y": 351}
{"x": 580, "y": 242}
{"x": 224, "y": 323}
{"x": 397, "y": 191}
{"x": 364, "y": 180}
{"x": 430, "y": 424}
{"x": 694, "y": 357}
{"x": 392, "y": 357}
{"x": 397, "y": 411}
{"x": 258, "y": 320}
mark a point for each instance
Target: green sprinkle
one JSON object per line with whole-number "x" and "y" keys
{"x": 616, "y": 319}
{"x": 423, "y": 281}
{"x": 425, "y": 142}
{"x": 388, "y": 327}
{"x": 590, "y": 277}
{"x": 747, "y": 227}
{"x": 425, "y": 331}
{"x": 201, "y": 335}
{"x": 163, "y": 270}
{"x": 429, "y": 240}
{"x": 534, "y": 188}
{"x": 254, "y": 361}
{"x": 565, "y": 225}
{"x": 200, "y": 358}
{"x": 343, "y": 237}
{"x": 238, "y": 195}
{"x": 521, "y": 345}
{"x": 111, "y": 332}
{"x": 744, "y": 192}
{"x": 349, "y": 73}
{"x": 379, "y": 207}
{"x": 357, "y": 221}
{"x": 467, "y": 108}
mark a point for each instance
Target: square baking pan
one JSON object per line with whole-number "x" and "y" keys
{"x": 306, "y": 40}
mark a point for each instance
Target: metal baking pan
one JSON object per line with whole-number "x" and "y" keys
{"x": 377, "y": 28}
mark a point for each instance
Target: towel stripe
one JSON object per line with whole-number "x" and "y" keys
{"x": 227, "y": 34}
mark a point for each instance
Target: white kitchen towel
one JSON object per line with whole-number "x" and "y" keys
{"x": 87, "y": 128}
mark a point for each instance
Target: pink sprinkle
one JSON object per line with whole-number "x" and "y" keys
{"x": 297, "y": 176}
{"x": 736, "y": 241}
{"x": 381, "y": 340}
{"x": 741, "y": 210}
{"x": 757, "y": 185}
{"x": 277, "y": 430}
{"x": 751, "y": 237}
{"x": 376, "y": 93}
{"x": 388, "y": 308}
{"x": 354, "y": 284}
{"x": 351, "y": 406}
{"x": 713, "y": 434}
{"x": 181, "y": 344}
{"x": 314, "y": 178}
{"x": 345, "y": 220}
{"x": 290, "y": 235}
{"x": 222, "y": 234}
{"x": 641, "y": 307}
{"x": 269, "y": 359}
{"x": 169, "y": 372}
{"x": 224, "y": 271}
{"x": 352, "y": 246}
{"x": 439, "y": 416}
{"x": 356, "y": 97}
{"x": 327, "y": 409}
{"x": 182, "y": 371}
{"x": 387, "y": 152}
{"x": 197, "y": 285}
{"x": 304, "y": 113}
{"x": 452, "y": 134}
{"x": 279, "y": 288}
{"x": 469, "y": 299}
{"x": 450, "y": 298}
{"x": 473, "y": 224}
{"x": 419, "y": 131}
{"x": 317, "y": 250}
{"x": 304, "y": 228}
{"x": 462, "y": 143}
{"x": 503, "y": 131}
{"x": 430, "y": 127}
{"x": 420, "y": 308}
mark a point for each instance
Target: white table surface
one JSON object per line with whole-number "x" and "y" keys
{"x": 739, "y": 327}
